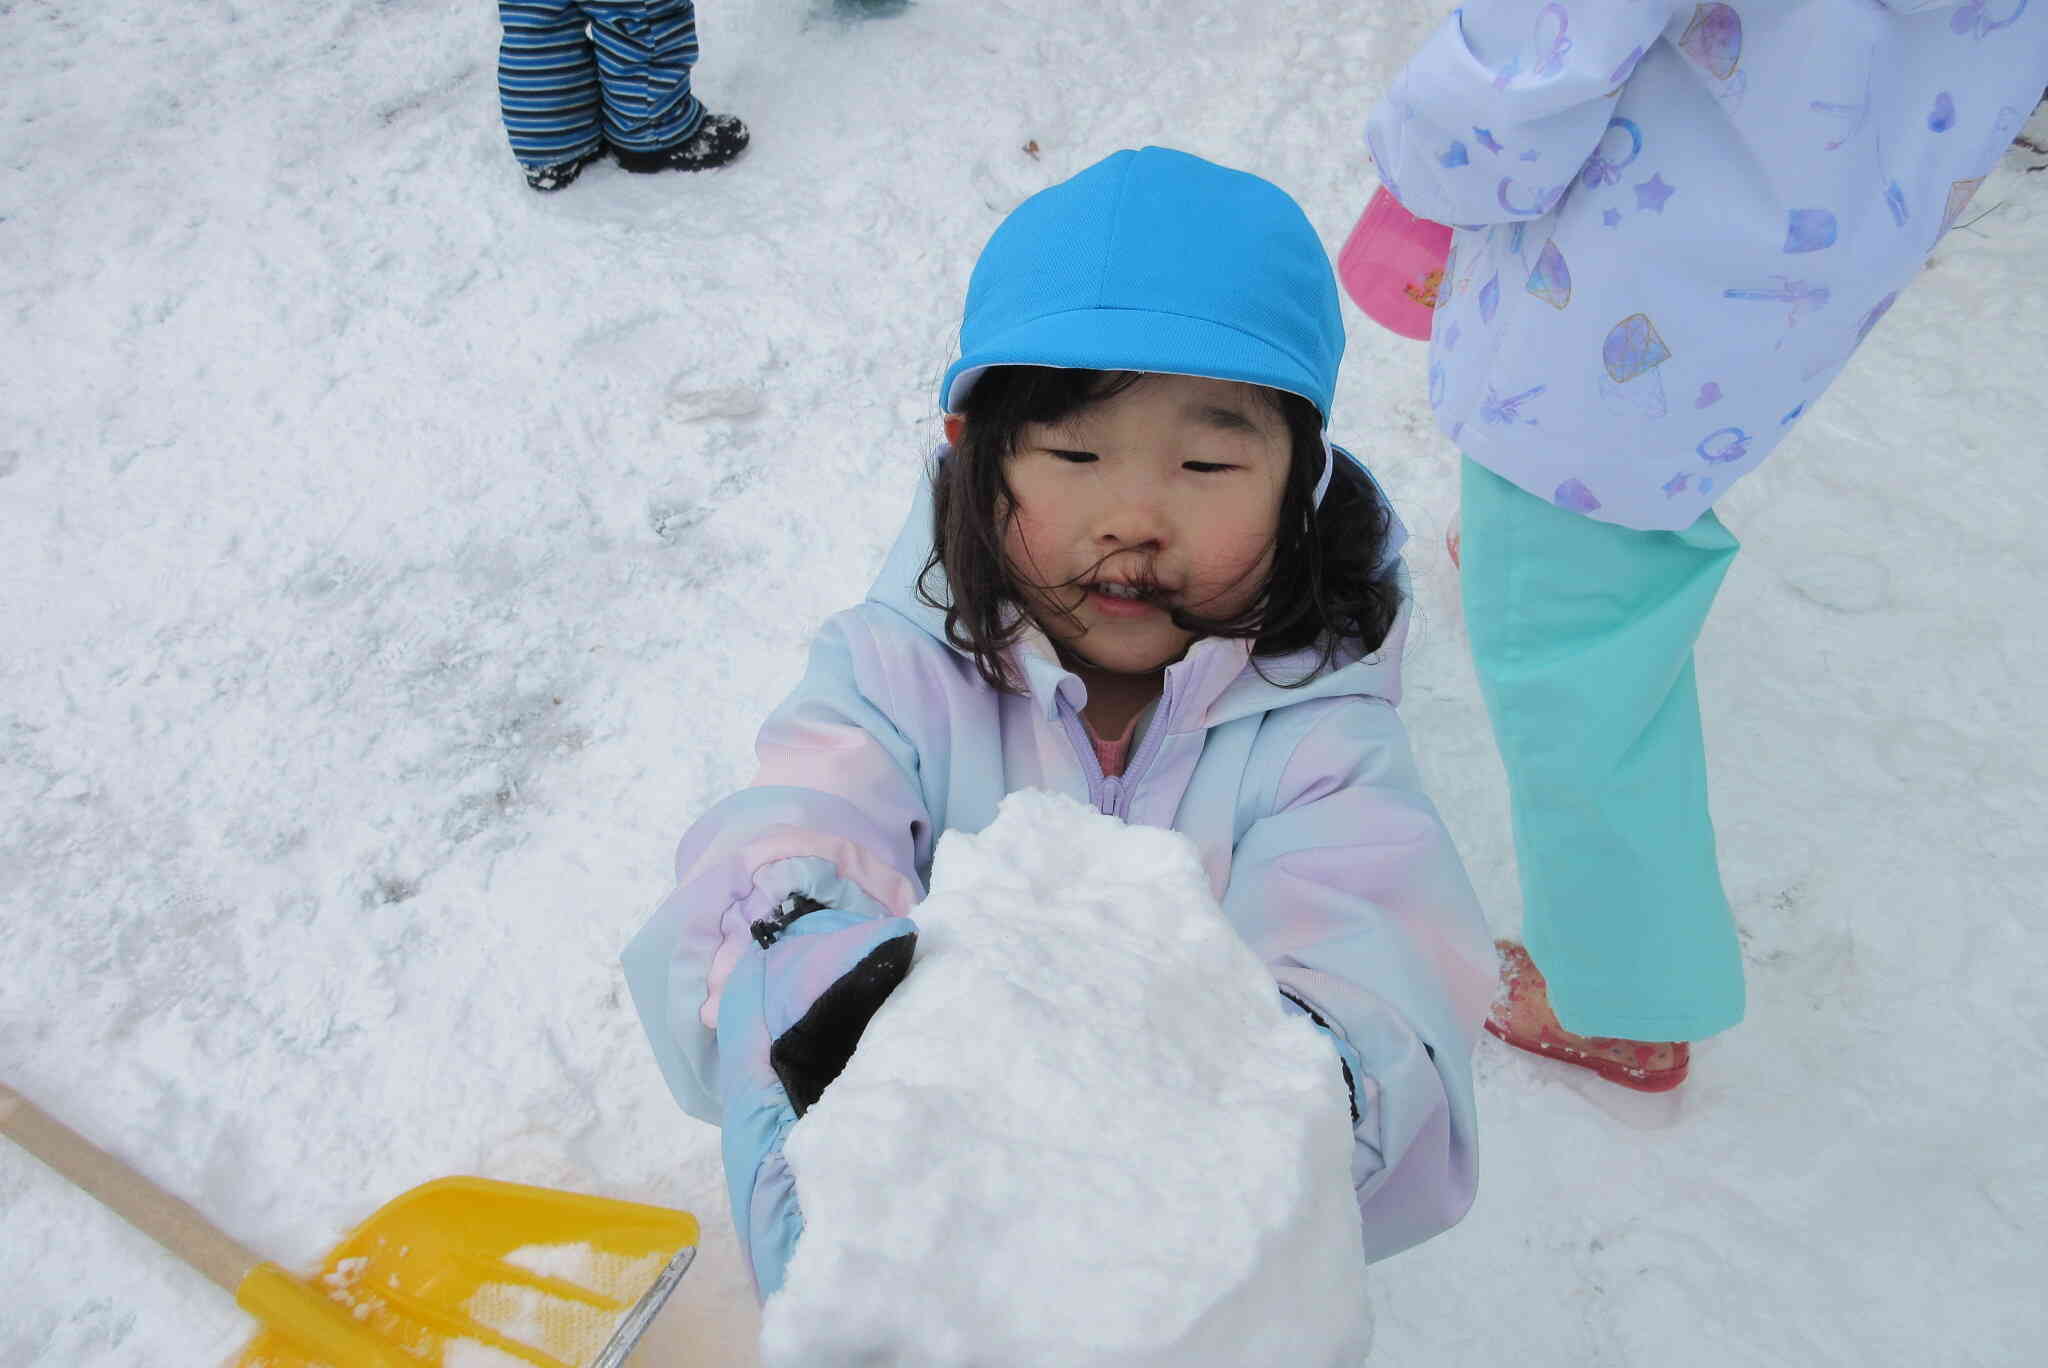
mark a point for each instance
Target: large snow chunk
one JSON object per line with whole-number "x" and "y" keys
{"x": 1084, "y": 1131}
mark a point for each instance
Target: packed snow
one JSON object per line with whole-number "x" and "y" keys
{"x": 1083, "y": 1044}
{"x": 567, "y": 1326}
{"x": 397, "y": 561}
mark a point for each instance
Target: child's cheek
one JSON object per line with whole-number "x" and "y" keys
{"x": 1018, "y": 540}
{"x": 1029, "y": 552}
{"x": 1241, "y": 549}
{"x": 1236, "y": 570}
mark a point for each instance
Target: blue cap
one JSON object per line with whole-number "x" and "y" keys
{"x": 1156, "y": 261}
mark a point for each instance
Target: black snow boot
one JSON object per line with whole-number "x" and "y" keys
{"x": 718, "y": 139}
{"x": 548, "y": 179}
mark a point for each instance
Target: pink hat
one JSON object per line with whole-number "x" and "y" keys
{"x": 1392, "y": 264}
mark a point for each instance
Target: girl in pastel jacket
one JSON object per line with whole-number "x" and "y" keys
{"x": 1139, "y": 575}
{"x": 1677, "y": 221}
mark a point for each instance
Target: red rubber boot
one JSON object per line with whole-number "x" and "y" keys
{"x": 1521, "y": 1016}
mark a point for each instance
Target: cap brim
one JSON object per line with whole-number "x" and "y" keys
{"x": 1135, "y": 340}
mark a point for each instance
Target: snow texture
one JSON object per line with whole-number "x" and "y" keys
{"x": 393, "y": 562}
{"x": 1082, "y": 1133}
{"x": 571, "y": 1329}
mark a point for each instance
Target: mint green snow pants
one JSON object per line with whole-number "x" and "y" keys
{"x": 1582, "y": 633}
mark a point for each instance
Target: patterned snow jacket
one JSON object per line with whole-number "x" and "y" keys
{"x": 1679, "y": 220}
{"x": 1304, "y": 804}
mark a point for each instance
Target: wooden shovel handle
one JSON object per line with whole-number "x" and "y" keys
{"x": 164, "y": 1218}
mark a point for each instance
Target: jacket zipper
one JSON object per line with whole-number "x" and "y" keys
{"x": 1111, "y": 794}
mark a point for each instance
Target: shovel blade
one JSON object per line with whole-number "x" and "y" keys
{"x": 473, "y": 1273}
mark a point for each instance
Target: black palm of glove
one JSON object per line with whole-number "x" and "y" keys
{"x": 811, "y": 1054}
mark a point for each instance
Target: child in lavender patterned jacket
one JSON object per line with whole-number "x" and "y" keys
{"x": 1676, "y": 222}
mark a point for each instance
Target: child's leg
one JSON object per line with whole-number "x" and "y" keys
{"x": 645, "y": 49}
{"x": 1582, "y": 633}
{"x": 547, "y": 82}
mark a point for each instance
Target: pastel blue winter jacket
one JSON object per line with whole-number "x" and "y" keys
{"x": 1679, "y": 220}
{"x": 1304, "y": 804}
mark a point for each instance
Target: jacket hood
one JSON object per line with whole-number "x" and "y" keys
{"x": 1218, "y": 678}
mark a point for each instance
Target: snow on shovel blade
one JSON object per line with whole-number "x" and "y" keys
{"x": 462, "y": 1272}
{"x": 472, "y": 1273}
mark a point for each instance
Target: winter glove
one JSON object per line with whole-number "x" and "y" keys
{"x": 788, "y": 1021}
{"x": 1347, "y": 1057}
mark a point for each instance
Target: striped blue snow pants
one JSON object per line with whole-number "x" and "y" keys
{"x": 574, "y": 74}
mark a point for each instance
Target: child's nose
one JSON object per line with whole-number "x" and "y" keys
{"x": 1131, "y": 527}
{"x": 1132, "y": 515}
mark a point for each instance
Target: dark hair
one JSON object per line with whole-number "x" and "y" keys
{"x": 1328, "y": 587}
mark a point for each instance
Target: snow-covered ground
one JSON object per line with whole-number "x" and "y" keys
{"x": 396, "y": 560}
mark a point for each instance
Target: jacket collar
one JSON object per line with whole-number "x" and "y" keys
{"x": 1208, "y": 670}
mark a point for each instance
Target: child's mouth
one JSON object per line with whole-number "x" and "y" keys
{"x": 1114, "y": 600}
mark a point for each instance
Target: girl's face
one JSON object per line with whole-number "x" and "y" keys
{"x": 1165, "y": 494}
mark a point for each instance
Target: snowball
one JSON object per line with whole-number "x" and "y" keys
{"x": 1083, "y": 1131}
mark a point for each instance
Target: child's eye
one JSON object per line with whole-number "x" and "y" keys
{"x": 1206, "y": 467}
{"x": 1075, "y": 457}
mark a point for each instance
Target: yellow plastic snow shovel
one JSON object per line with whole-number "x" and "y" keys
{"x": 464, "y": 1272}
